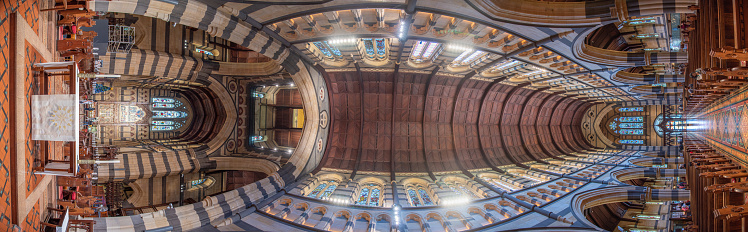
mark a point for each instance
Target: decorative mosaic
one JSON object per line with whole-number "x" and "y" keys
{"x": 32, "y": 57}
{"x": 726, "y": 121}
{"x": 29, "y": 10}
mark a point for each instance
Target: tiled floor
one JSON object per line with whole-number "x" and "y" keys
{"x": 32, "y": 220}
{"x": 32, "y": 57}
{"x": 30, "y": 10}
{"x": 727, "y": 124}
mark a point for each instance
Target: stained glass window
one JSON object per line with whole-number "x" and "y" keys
{"x": 369, "y": 46}
{"x": 363, "y": 197}
{"x": 631, "y": 141}
{"x": 323, "y": 49}
{"x": 162, "y": 128}
{"x": 649, "y": 217}
{"x": 631, "y": 119}
{"x": 258, "y": 95}
{"x": 425, "y": 197}
{"x": 631, "y": 131}
{"x": 631, "y": 109}
{"x": 197, "y": 182}
{"x": 418, "y": 49}
{"x": 162, "y": 123}
{"x": 631, "y": 125}
{"x": 423, "y": 51}
{"x": 380, "y": 46}
{"x": 645, "y": 36}
{"x": 640, "y": 22}
{"x": 99, "y": 88}
{"x": 206, "y": 52}
{"x": 131, "y": 113}
{"x": 468, "y": 57}
{"x": 333, "y": 49}
{"x": 169, "y": 114}
{"x": 462, "y": 56}
{"x": 162, "y": 100}
{"x": 257, "y": 138}
{"x": 659, "y": 85}
{"x": 676, "y": 125}
{"x": 504, "y": 65}
{"x": 374, "y": 199}
{"x": 329, "y": 190}
{"x": 628, "y": 125}
{"x": 317, "y": 190}
{"x": 414, "y": 201}
{"x": 327, "y": 49}
{"x": 163, "y": 105}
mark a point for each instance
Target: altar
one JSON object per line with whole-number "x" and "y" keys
{"x": 56, "y": 117}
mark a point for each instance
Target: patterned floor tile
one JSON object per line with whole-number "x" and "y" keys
{"x": 32, "y": 57}
{"x": 29, "y": 9}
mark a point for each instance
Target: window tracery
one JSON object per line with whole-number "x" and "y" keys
{"x": 205, "y": 182}
{"x": 469, "y": 57}
{"x": 627, "y": 125}
{"x": 162, "y": 128}
{"x": 369, "y": 195}
{"x": 414, "y": 200}
{"x": 417, "y": 196}
{"x": 197, "y": 182}
{"x": 166, "y": 123}
{"x": 423, "y": 51}
{"x": 327, "y": 49}
{"x": 169, "y": 114}
{"x": 675, "y": 126}
{"x": 631, "y": 141}
{"x": 174, "y": 104}
{"x": 162, "y": 100}
{"x": 324, "y": 189}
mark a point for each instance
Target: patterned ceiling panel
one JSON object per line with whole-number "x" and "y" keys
{"x": 434, "y": 123}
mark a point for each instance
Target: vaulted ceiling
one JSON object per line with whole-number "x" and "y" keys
{"x": 424, "y": 88}
{"x": 436, "y": 91}
{"x": 343, "y": 38}
{"x": 432, "y": 123}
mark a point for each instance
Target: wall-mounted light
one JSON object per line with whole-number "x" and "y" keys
{"x": 401, "y": 34}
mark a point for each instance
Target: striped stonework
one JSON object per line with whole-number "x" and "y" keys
{"x": 643, "y": 79}
{"x": 216, "y": 21}
{"x": 133, "y": 166}
{"x": 151, "y": 63}
{"x": 208, "y": 213}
